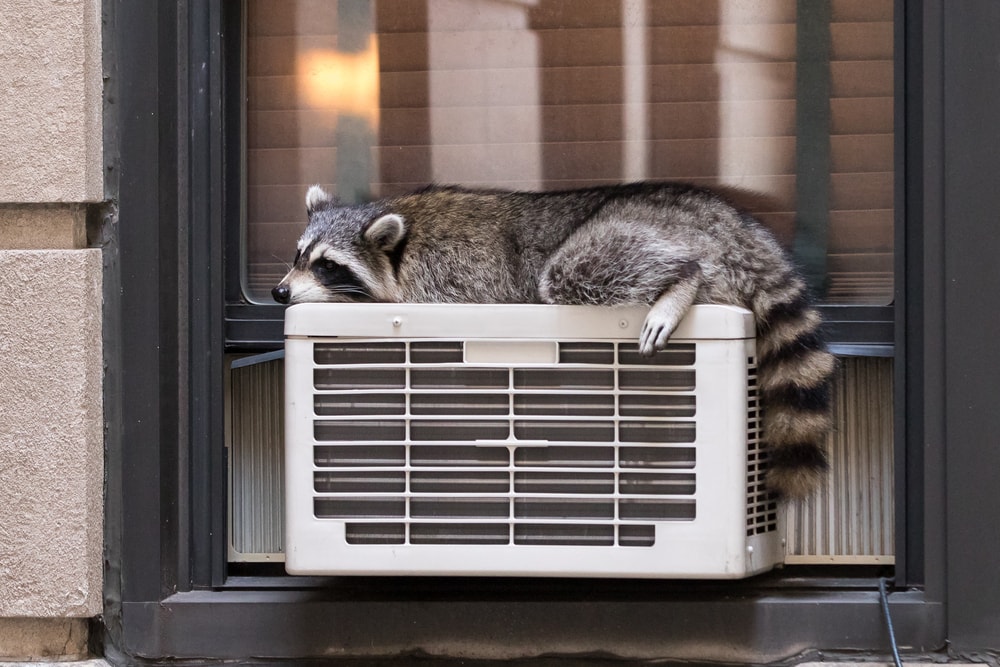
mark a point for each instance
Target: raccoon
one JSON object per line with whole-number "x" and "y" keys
{"x": 664, "y": 245}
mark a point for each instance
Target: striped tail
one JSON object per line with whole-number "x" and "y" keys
{"x": 795, "y": 371}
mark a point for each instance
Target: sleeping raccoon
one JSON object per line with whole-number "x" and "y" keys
{"x": 659, "y": 244}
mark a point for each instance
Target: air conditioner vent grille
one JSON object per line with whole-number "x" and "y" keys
{"x": 543, "y": 432}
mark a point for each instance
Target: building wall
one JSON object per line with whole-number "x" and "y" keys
{"x": 51, "y": 374}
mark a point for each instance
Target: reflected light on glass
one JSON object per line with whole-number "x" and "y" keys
{"x": 344, "y": 83}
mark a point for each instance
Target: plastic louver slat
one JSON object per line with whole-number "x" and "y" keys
{"x": 359, "y": 404}
{"x": 459, "y": 533}
{"x": 360, "y": 482}
{"x": 359, "y": 353}
{"x": 570, "y": 378}
{"x": 352, "y": 431}
{"x": 458, "y": 455}
{"x": 350, "y": 456}
{"x": 436, "y": 352}
{"x": 564, "y": 482}
{"x": 459, "y": 378}
{"x": 562, "y": 456}
{"x": 564, "y": 534}
{"x": 459, "y": 482}
{"x": 657, "y": 457}
{"x": 359, "y": 378}
{"x": 459, "y": 404}
{"x": 565, "y": 405}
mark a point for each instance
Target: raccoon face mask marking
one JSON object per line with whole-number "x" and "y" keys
{"x": 320, "y": 273}
{"x": 339, "y": 280}
{"x": 356, "y": 261}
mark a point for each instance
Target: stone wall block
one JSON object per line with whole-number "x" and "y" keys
{"x": 51, "y": 75}
{"x": 51, "y": 433}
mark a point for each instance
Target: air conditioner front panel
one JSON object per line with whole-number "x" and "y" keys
{"x": 522, "y": 440}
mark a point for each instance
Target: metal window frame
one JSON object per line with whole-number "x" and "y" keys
{"x": 166, "y": 590}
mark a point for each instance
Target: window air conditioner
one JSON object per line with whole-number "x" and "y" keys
{"x": 522, "y": 440}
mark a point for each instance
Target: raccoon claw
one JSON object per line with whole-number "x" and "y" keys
{"x": 666, "y": 312}
{"x": 654, "y": 335}
{"x": 661, "y": 321}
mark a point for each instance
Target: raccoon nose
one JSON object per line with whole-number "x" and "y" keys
{"x": 281, "y": 294}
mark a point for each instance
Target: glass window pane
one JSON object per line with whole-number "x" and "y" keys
{"x": 791, "y": 115}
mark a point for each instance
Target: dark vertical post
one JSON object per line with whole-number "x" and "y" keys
{"x": 919, "y": 301}
{"x": 971, "y": 321}
{"x": 202, "y": 498}
{"x": 140, "y": 240}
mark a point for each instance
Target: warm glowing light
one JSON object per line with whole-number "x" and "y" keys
{"x": 341, "y": 82}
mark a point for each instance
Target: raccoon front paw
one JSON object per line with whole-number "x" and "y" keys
{"x": 666, "y": 312}
{"x": 660, "y": 323}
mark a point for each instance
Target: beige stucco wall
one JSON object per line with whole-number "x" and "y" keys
{"x": 51, "y": 433}
{"x": 50, "y": 106}
{"x": 51, "y": 366}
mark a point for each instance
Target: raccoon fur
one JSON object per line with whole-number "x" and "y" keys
{"x": 665, "y": 245}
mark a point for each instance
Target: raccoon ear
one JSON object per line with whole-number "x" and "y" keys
{"x": 317, "y": 198}
{"x": 385, "y": 232}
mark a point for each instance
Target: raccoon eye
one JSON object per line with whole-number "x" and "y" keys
{"x": 329, "y": 264}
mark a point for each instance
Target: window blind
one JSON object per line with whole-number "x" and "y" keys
{"x": 375, "y": 98}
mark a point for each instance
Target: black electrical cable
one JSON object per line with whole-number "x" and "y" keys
{"x": 888, "y": 622}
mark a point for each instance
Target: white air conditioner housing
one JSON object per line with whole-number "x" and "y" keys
{"x": 523, "y": 440}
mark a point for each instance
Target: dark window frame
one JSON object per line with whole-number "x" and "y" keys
{"x": 166, "y": 590}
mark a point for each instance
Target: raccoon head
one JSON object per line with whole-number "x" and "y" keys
{"x": 346, "y": 253}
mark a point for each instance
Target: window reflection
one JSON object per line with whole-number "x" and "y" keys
{"x": 375, "y": 98}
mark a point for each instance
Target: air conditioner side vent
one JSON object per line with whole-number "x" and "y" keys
{"x": 762, "y": 508}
